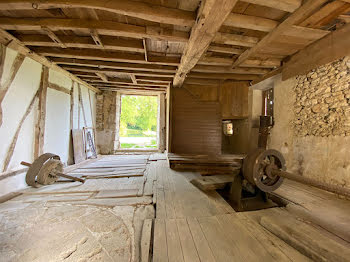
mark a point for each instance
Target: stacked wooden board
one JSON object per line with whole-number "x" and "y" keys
{"x": 205, "y": 163}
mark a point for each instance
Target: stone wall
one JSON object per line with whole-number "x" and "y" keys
{"x": 322, "y": 106}
{"x": 106, "y": 122}
{"x": 312, "y": 123}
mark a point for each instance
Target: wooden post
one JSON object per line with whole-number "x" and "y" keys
{"x": 40, "y": 125}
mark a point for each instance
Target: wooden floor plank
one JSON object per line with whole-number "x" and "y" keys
{"x": 160, "y": 210}
{"x": 241, "y": 241}
{"x": 173, "y": 241}
{"x": 188, "y": 247}
{"x": 219, "y": 243}
{"x": 204, "y": 252}
{"x": 160, "y": 250}
{"x": 146, "y": 240}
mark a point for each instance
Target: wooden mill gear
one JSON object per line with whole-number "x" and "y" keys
{"x": 45, "y": 170}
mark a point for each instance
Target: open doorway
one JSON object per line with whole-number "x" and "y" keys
{"x": 138, "y": 122}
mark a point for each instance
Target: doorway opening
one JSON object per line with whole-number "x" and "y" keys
{"x": 138, "y": 122}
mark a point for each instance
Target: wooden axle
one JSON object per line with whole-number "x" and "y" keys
{"x": 58, "y": 174}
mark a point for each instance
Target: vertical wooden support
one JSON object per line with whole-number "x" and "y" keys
{"x": 13, "y": 72}
{"x": 40, "y": 125}
{"x": 11, "y": 149}
{"x": 118, "y": 107}
{"x": 168, "y": 119}
{"x": 161, "y": 123}
{"x": 81, "y": 104}
{"x": 71, "y": 125}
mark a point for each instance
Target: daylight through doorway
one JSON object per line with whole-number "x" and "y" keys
{"x": 138, "y": 122}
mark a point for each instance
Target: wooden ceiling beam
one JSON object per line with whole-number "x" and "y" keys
{"x": 90, "y": 70}
{"x": 284, "y": 5}
{"x": 154, "y": 79}
{"x": 225, "y": 50}
{"x": 95, "y": 36}
{"x": 202, "y": 81}
{"x": 244, "y": 77}
{"x": 105, "y": 55}
{"x": 330, "y": 48}
{"x": 102, "y": 76}
{"x": 129, "y": 86}
{"x": 250, "y": 22}
{"x": 226, "y": 61}
{"x": 211, "y": 16}
{"x": 102, "y": 27}
{"x": 114, "y": 65}
{"x": 109, "y": 42}
{"x": 146, "y": 11}
{"x": 302, "y": 12}
{"x": 54, "y": 37}
{"x": 228, "y": 69}
{"x": 119, "y": 82}
{"x": 233, "y": 39}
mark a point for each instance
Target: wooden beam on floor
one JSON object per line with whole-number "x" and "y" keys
{"x": 211, "y": 16}
{"x": 105, "y": 56}
{"x": 285, "y": 5}
{"x": 295, "y": 17}
{"x": 102, "y": 27}
{"x": 145, "y": 11}
{"x": 114, "y": 65}
{"x": 330, "y": 48}
{"x": 250, "y": 22}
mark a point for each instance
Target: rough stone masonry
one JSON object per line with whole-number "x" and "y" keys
{"x": 322, "y": 106}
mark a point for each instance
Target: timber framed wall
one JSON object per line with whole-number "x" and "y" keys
{"x": 39, "y": 107}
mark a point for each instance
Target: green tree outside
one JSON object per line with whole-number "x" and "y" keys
{"x": 138, "y": 113}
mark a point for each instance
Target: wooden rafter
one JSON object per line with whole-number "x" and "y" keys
{"x": 109, "y": 42}
{"x": 133, "y": 79}
{"x": 227, "y": 69}
{"x": 285, "y": 5}
{"x": 210, "y": 18}
{"x": 54, "y": 37}
{"x": 155, "y": 13}
{"x": 95, "y": 36}
{"x": 102, "y": 27}
{"x": 102, "y": 76}
{"x": 114, "y": 65}
{"x": 301, "y": 12}
{"x": 105, "y": 56}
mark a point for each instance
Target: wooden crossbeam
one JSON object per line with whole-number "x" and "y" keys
{"x": 225, "y": 50}
{"x": 113, "y": 71}
{"x": 133, "y": 79}
{"x": 122, "y": 82}
{"x": 250, "y": 22}
{"x": 285, "y": 5}
{"x": 109, "y": 42}
{"x": 102, "y": 27}
{"x": 247, "y": 77}
{"x": 54, "y": 37}
{"x": 115, "y": 65}
{"x": 105, "y": 56}
{"x": 146, "y": 11}
{"x": 302, "y": 12}
{"x": 130, "y": 85}
{"x": 95, "y": 36}
{"x": 330, "y": 48}
{"x": 102, "y": 76}
{"x": 226, "y": 61}
{"x": 211, "y": 16}
{"x": 232, "y": 39}
{"x": 154, "y": 79}
{"x": 202, "y": 81}
{"x": 228, "y": 69}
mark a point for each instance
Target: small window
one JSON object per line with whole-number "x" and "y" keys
{"x": 268, "y": 102}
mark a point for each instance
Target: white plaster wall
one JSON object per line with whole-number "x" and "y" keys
{"x": 325, "y": 159}
{"x": 57, "y": 127}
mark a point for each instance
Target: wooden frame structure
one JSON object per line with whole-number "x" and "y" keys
{"x": 151, "y": 45}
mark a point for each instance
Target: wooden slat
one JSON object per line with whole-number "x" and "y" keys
{"x": 250, "y": 22}
{"x": 328, "y": 49}
{"x": 300, "y": 13}
{"x": 102, "y": 27}
{"x": 225, "y": 50}
{"x": 54, "y": 37}
{"x": 232, "y": 39}
{"x": 188, "y": 247}
{"x": 105, "y": 55}
{"x": 224, "y": 76}
{"x": 109, "y": 42}
{"x": 146, "y": 238}
{"x": 155, "y": 13}
{"x": 285, "y": 5}
{"x": 227, "y": 69}
{"x": 160, "y": 250}
{"x": 115, "y": 65}
{"x": 210, "y": 17}
{"x": 304, "y": 32}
